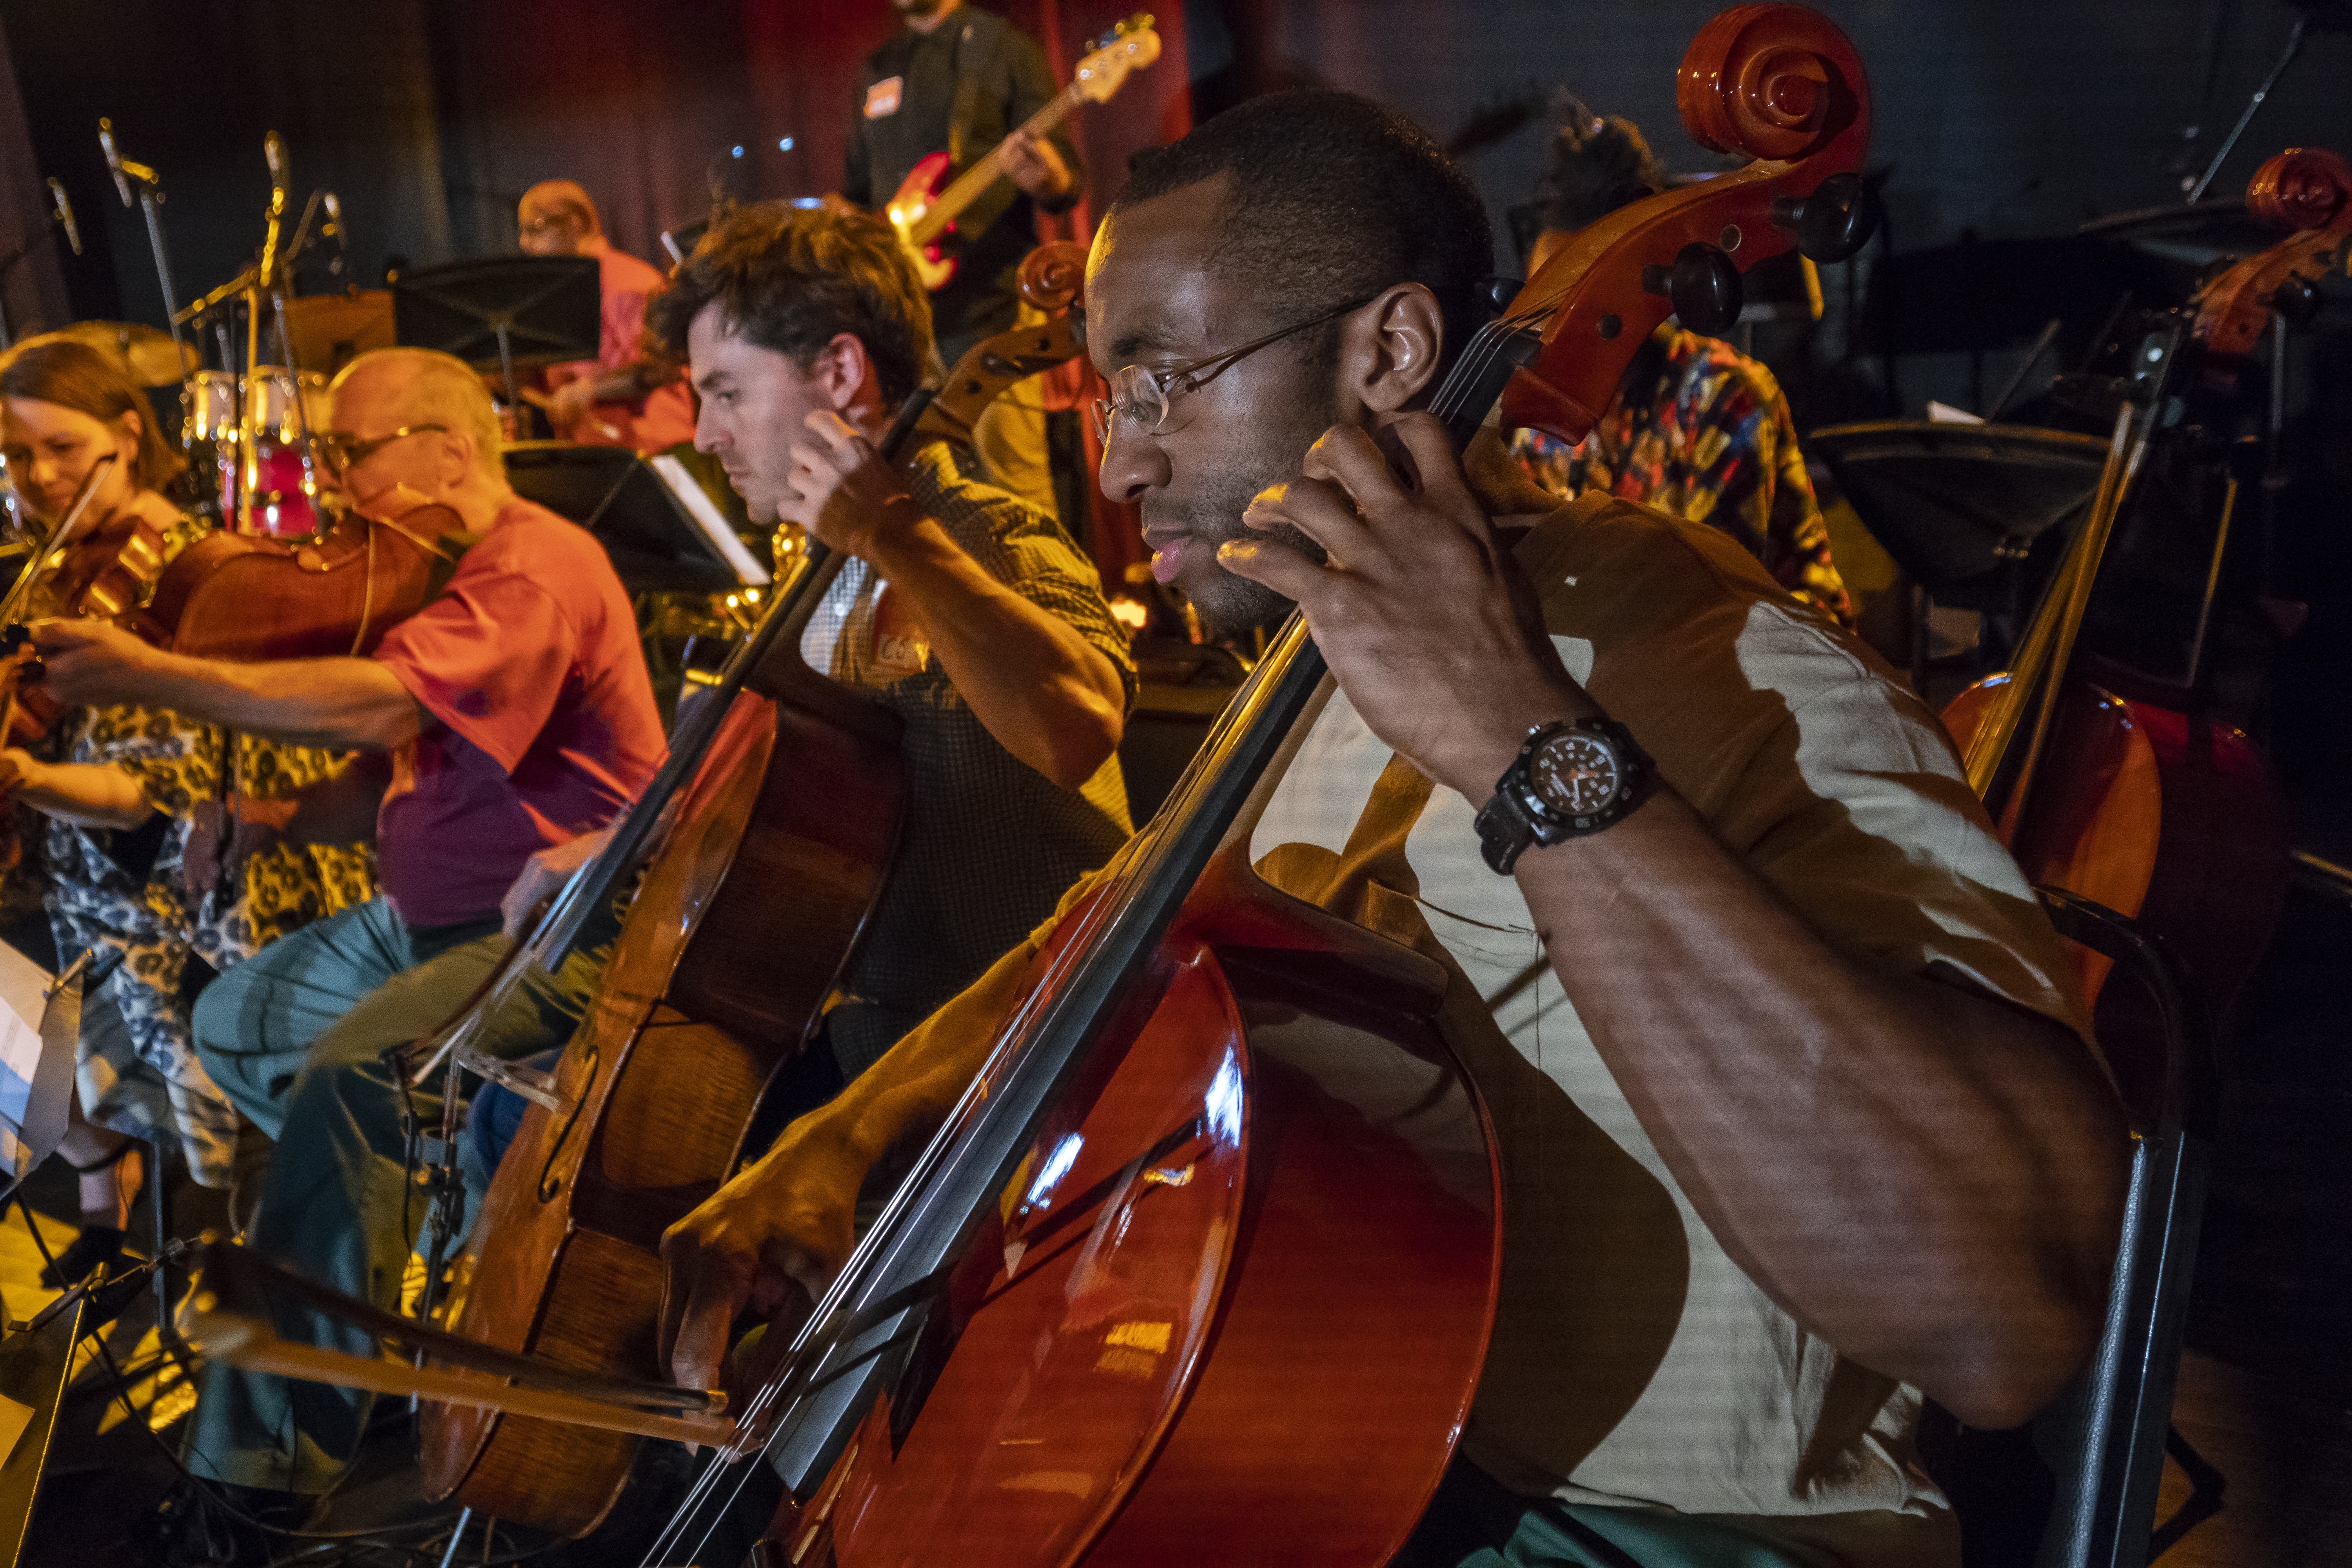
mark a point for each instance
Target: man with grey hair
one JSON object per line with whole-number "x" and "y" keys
{"x": 511, "y": 715}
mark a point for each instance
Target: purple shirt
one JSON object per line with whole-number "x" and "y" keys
{"x": 530, "y": 661}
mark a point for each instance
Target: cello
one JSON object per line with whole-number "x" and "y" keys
{"x": 2110, "y": 786}
{"x": 715, "y": 984}
{"x": 1141, "y": 1299}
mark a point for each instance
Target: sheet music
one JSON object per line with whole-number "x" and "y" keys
{"x": 709, "y": 517}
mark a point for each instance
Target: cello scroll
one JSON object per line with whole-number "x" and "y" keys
{"x": 2309, "y": 190}
{"x": 1778, "y": 82}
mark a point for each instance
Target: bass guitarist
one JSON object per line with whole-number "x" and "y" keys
{"x": 960, "y": 78}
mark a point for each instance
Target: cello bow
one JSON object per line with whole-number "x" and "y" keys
{"x": 1777, "y": 81}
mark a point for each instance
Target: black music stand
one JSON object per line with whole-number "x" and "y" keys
{"x": 504, "y": 310}
{"x": 1959, "y": 506}
{"x": 35, "y": 1362}
{"x": 662, "y": 529}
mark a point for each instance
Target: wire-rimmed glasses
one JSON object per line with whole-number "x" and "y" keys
{"x": 1143, "y": 396}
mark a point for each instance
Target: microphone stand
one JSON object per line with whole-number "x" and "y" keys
{"x": 151, "y": 196}
{"x": 8, "y": 262}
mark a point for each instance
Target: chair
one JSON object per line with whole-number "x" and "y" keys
{"x": 2106, "y": 1437}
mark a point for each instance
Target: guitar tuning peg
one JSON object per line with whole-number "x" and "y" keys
{"x": 1832, "y": 223}
{"x": 1704, "y": 286}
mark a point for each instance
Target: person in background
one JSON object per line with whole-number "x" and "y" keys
{"x": 959, "y": 79}
{"x": 620, "y": 398}
{"x": 1697, "y": 428}
{"x": 153, "y": 857}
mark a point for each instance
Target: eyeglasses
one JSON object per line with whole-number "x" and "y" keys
{"x": 339, "y": 450}
{"x": 1143, "y": 396}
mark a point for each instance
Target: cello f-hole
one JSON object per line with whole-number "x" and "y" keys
{"x": 549, "y": 1186}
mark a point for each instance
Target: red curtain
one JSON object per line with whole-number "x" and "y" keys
{"x": 1153, "y": 108}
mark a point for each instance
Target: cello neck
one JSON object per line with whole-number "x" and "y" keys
{"x": 2002, "y": 756}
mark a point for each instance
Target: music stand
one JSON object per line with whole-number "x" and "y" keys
{"x": 1959, "y": 506}
{"x": 503, "y": 310}
{"x": 662, "y": 529}
{"x": 35, "y": 1363}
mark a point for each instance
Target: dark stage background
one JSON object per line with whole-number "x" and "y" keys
{"x": 1995, "y": 118}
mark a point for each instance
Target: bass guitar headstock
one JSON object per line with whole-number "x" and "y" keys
{"x": 1777, "y": 82}
{"x": 1128, "y": 46}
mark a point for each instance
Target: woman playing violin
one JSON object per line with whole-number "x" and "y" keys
{"x": 151, "y": 855}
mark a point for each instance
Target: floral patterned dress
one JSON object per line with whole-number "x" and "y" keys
{"x": 142, "y": 922}
{"x": 1700, "y": 430}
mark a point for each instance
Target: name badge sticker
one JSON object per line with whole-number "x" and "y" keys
{"x": 882, "y": 98}
{"x": 901, "y": 646}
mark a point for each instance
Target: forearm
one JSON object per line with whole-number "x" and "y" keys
{"x": 1930, "y": 1180}
{"x": 1048, "y": 696}
{"x": 341, "y": 809}
{"x": 905, "y": 1096}
{"x": 88, "y": 795}
{"x": 342, "y": 704}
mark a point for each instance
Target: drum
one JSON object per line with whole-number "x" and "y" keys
{"x": 278, "y": 489}
{"x": 208, "y": 406}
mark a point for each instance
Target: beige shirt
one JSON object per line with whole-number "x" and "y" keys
{"x": 1632, "y": 1361}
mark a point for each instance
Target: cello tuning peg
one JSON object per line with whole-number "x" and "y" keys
{"x": 1832, "y": 223}
{"x": 1704, "y": 286}
{"x": 1496, "y": 293}
{"x": 2296, "y": 300}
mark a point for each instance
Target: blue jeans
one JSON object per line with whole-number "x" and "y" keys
{"x": 295, "y": 1037}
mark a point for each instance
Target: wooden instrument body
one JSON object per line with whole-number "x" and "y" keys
{"x": 1274, "y": 1156}
{"x": 731, "y": 948}
{"x": 2158, "y": 814}
{"x": 246, "y": 597}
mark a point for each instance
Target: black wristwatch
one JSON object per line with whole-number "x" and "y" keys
{"x": 1569, "y": 779}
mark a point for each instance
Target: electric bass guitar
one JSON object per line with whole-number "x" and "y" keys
{"x": 924, "y": 213}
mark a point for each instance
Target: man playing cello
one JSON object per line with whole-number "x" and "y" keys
{"x": 1786, "y": 999}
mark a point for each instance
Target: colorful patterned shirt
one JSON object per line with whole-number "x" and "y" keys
{"x": 1700, "y": 430}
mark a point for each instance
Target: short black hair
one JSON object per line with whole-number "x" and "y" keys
{"x": 1593, "y": 167}
{"x": 1333, "y": 197}
{"x": 792, "y": 278}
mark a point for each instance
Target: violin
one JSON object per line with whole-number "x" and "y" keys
{"x": 229, "y": 595}
{"x": 2112, "y": 786}
{"x": 1209, "y": 1251}
{"x": 248, "y": 597}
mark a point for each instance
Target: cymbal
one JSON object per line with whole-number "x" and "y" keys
{"x": 328, "y": 330}
{"x": 147, "y": 352}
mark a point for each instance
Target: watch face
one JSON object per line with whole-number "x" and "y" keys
{"x": 1575, "y": 774}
